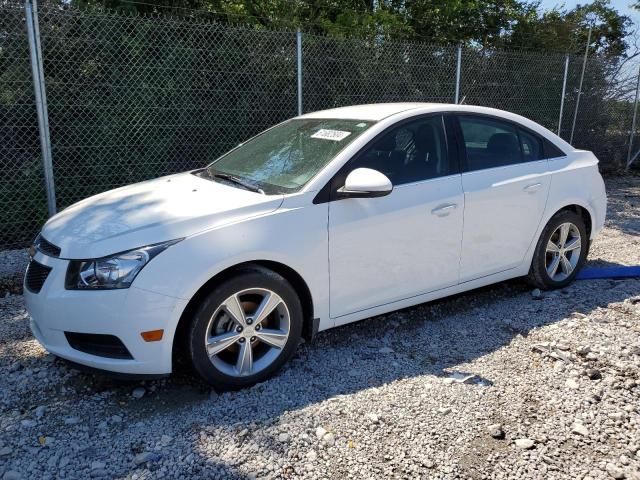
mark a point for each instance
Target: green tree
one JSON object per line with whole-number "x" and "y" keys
{"x": 483, "y": 23}
{"x": 567, "y": 30}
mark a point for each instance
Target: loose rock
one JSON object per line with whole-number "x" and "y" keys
{"x": 496, "y": 431}
{"x": 580, "y": 429}
{"x": 138, "y": 393}
{"x": 4, "y": 451}
{"x": 593, "y": 374}
{"x": 145, "y": 457}
{"x": 572, "y": 384}
{"x": 615, "y": 472}
{"x": 525, "y": 443}
{"x": 329, "y": 439}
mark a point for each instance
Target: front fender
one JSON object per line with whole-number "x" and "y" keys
{"x": 294, "y": 235}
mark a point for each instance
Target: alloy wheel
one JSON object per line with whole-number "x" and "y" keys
{"x": 247, "y": 332}
{"x": 563, "y": 251}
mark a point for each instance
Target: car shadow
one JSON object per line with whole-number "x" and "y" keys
{"x": 438, "y": 339}
{"x": 604, "y": 264}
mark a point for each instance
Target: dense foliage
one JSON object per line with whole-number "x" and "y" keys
{"x": 486, "y": 23}
{"x": 137, "y": 90}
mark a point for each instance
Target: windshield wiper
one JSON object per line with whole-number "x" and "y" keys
{"x": 236, "y": 180}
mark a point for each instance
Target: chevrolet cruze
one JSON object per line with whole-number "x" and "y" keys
{"x": 325, "y": 219}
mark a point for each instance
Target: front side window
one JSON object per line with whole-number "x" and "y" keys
{"x": 284, "y": 158}
{"x": 489, "y": 143}
{"x": 412, "y": 152}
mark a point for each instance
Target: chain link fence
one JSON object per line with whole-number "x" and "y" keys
{"x": 339, "y": 72}
{"x": 23, "y": 204}
{"x": 136, "y": 97}
{"x": 132, "y": 98}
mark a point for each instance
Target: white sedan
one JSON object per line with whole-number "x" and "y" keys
{"x": 322, "y": 220}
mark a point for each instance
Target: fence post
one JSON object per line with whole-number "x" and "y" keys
{"x": 584, "y": 66}
{"x": 633, "y": 123}
{"x": 299, "y": 56}
{"x": 37, "y": 70}
{"x": 564, "y": 89}
{"x": 458, "y": 68}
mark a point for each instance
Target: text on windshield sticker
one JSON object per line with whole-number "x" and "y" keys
{"x": 335, "y": 135}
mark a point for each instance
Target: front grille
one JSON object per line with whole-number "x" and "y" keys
{"x": 108, "y": 346}
{"x": 36, "y": 275}
{"x": 46, "y": 247}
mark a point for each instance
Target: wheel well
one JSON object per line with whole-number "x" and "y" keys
{"x": 293, "y": 277}
{"x": 584, "y": 213}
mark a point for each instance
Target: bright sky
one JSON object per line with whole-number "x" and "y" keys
{"x": 623, "y": 6}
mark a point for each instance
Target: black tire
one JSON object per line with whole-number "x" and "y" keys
{"x": 245, "y": 278}
{"x": 538, "y": 275}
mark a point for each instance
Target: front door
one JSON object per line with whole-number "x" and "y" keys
{"x": 391, "y": 248}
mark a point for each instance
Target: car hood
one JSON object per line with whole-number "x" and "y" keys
{"x": 150, "y": 212}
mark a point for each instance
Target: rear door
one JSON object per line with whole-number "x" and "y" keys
{"x": 506, "y": 182}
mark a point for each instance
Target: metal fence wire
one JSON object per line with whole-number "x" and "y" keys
{"x": 23, "y": 204}
{"x": 339, "y": 72}
{"x": 135, "y": 97}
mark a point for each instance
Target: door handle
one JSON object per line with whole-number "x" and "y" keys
{"x": 444, "y": 210}
{"x": 534, "y": 187}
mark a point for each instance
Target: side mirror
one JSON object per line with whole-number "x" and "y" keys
{"x": 365, "y": 183}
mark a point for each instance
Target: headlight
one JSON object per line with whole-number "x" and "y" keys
{"x": 117, "y": 271}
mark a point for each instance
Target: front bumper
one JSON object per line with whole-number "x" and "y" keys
{"x": 123, "y": 313}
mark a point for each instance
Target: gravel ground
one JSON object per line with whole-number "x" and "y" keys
{"x": 13, "y": 263}
{"x": 501, "y": 382}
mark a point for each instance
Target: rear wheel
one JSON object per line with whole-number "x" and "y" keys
{"x": 561, "y": 251}
{"x": 245, "y": 329}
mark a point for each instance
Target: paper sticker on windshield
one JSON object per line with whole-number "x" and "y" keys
{"x": 335, "y": 135}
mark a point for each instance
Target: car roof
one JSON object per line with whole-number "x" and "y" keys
{"x": 373, "y": 111}
{"x": 380, "y": 111}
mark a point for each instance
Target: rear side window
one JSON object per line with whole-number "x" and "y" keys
{"x": 493, "y": 143}
{"x": 490, "y": 143}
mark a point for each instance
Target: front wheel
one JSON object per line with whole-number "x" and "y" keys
{"x": 245, "y": 329}
{"x": 561, "y": 251}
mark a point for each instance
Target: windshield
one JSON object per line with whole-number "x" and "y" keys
{"x": 284, "y": 158}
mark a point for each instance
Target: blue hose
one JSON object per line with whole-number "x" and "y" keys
{"x": 589, "y": 273}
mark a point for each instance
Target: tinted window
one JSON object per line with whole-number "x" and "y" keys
{"x": 412, "y": 152}
{"x": 489, "y": 143}
{"x": 551, "y": 151}
{"x": 531, "y": 146}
